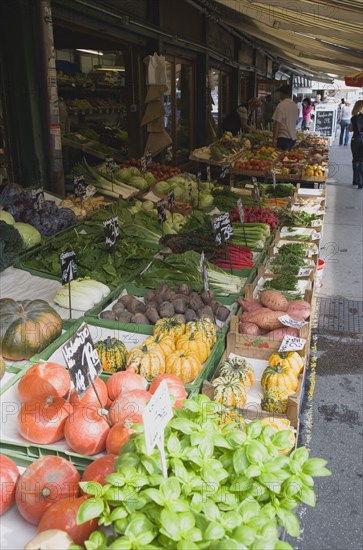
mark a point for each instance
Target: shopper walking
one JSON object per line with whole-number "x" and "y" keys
{"x": 356, "y": 144}
{"x": 345, "y": 116}
{"x": 307, "y": 109}
{"x": 284, "y": 120}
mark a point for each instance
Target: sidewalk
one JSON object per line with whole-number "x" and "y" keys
{"x": 331, "y": 424}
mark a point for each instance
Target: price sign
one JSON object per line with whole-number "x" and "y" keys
{"x": 304, "y": 272}
{"x": 82, "y": 360}
{"x": 161, "y": 211}
{"x": 90, "y": 191}
{"x": 112, "y": 231}
{"x": 143, "y": 164}
{"x": 68, "y": 266}
{"x": 190, "y": 192}
{"x": 38, "y": 199}
{"x": 256, "y": 189}
{"x": 149, "y": 158}
{"x": 204, "y": 271}
{"x": 273, "y": 178}
{"x": 316, "y": 223}
{"x": 80, "y": 186}
{"x": 222, "y": 228}
{"x": 315, "y": 236}
{"x": 209, "y": 176}
{"x": 225, "y": 170}
{"x": 241, "y": 211}
{"x": 199, "y": 176}
{"x": 155, "y": 419}
{"x": 110, "y": 165}
{"x": 320, "y": 213}
{"x": 171, "y": 199}
{"x": 292, "y": 343}
{"x": 288, "y": 322}
{"x": 169, "y": 154}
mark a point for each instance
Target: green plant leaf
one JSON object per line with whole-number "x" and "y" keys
{"x": 245, "y": 535}
{"x": 270, "y": 481}
{"x": 155, "y": 495}
{"x": 276, "y": 464}
{"x": 91, "y": 508}
{"x": 206, "y": 447}
{"x": 289, "y": 521}
{"x": 118, "y": 513}
{"x": 211, "y": 510}
{"x": 256, "y": 452}
{"x": 183, "y": 425}
{"x": 236, "y": 438}
{"x": 91, "y": 488}
{"x": 214, "y": 532}
{"x": 117, "y": 479}
{"x": 240, "y": 461}
{"x": 150, "y": 465}
{"x": 186, "y": 521}
{"x": 221, "y": 442}
{"x": 269, "y": 530}
{"x": 196, "y": 504}
{"x": 254, "y": 429}
{"x": 191, "y": 405}
{"x": 281, "y": 439}
{"x": 186, "y": 544}
{"x": 253, "y": 471}
{"x": 227, "y": 544}
{"x": 170, "y": 489}
{"x": 230, "y": 520}
{"x": 307, "y": 495}
{"x": 173, "y": 445}
{"x": 315, "y": 467}
{"x": 300, "y": 455}
{"x": 282, "y": 545}
{"x": 122, "y": 543}
{"x": 307, "y": 480}
{"x": 170, "y": 525}
{"x": 96, "y": 541}
{"x": 248, "y": 510}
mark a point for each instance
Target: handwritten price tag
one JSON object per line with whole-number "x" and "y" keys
{"x": 110, "y": 165}
{"x": 288, "y": 322}
{"x": 316, "y": 223}
{"x": 82, "y": 359}
{"x": 292, "y": 343}
{"x": 161, "y": 211}
{"x": 320, "y": 213}
{"x": 68, "y": 266}
{"x": 209, "y": 177}
{"x": 225, "y": 170}
{"x": 315, "y": 236}
{"x": 273, "y": 173}
{"x": 304, "y": 272}
{"x": 222, "y": 228}
{"x": 38, "y": 199}
{"x": 204, "y": 271}
{"x": 171, "y": 199}
{"x": 156, "y": 417}
{"x": 112, "y": 231}
{"x": 80, "y": 186}
{"x": 143, "y": 164}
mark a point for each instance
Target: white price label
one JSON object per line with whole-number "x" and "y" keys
{"x": 288, "y": 322}
{"x": 311, "y": 253}
{"x": 273, "y": 178}
{"x": 292, "y": 343}
{"x": 316, "y": 223}
{"x": 90, "y": 191}
{"x": 315, "y": 236}
{"x": 304, "y": 272}
{"x": 155, "y": 417}
{"x": 320, "y": 213}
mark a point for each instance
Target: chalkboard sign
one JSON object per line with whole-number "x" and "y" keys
{"x": 324, "y": 122}
{"x": 143, "y": 163}
{"x": 222, "y": 228}
{"x": 82, "y": 360}
{"x": 204, "y": 271}
{"x": 110, "y": 165}
{"x": 161, "y": 211}
{"x": 80, "y": 186}
{"x": 68, "y": 266}
{"x": 171, "y": 199}
{"x": 112, "y": 231}
{"x": 38, "y": 198}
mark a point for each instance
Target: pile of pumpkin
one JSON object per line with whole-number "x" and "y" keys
{"x": 101, "y": 420}
{"x": 280, "y": 379}
{"x": 174, "y": 348}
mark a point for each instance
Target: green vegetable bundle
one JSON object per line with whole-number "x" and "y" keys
{"x": 11, "y": 244}
{"x": 253, "y": 235}
{"x": 226, "y": 488}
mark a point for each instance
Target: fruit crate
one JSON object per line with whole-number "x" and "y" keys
{"x": 132, "y": 335}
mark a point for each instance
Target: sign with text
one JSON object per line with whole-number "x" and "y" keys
{"x": 171, "y": 199}
{"x": 143, "y": 163}
{"x": 80, "y": 186}
{"x": 149, "y": 158}
{"x": 256, "y": 189}
{"x": 82, "y": 359}
{"x": 68, "y": 262}
{"x": 222, "y": 228}
{"x": 273, "y": 173}
{"x": 204, "y": 271}
{"x": 161, "y": 211}
{"x": 38, "y": 199}
{"x": 292, "y": 343}
{"x": 226, "y": 168}
{"x": 110, "y": 165}
{"x": 316, "y": 223}
{"x": 304, "y": 272}
{"x": 241, "y": 211}
{"x": 199, "y": 176}
{"x": 156, "y": 416}
{"x": 324, "y": 122}
{"x": 288, "y": 322}
{"x": 209, "y": 175}
{"x": 112, "y": 231}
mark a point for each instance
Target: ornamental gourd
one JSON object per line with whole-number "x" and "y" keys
{"x": 112, "y": 354}
{"x": 204, "y": 326}
{"x": 289, "y": 359}
{"x": 148, "y": 361}
{"x": 170, "y": 326}
{"x": 240, "y": 367}
{"x": 196, "y": 342}
{"x": 185, "y": 364}
{"x": 165, "y": 341}
{"x": 279, "y": 376}
{"x": 229, "y": 391}
{"x": 275, "y": 400}
{"x": 27, "y": 327}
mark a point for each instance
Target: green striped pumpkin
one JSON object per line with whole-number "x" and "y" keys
{"x": 205, "y": 326}
{"x": 229, "y": 391}
{"x": 112, "y": 354}
{"x": 240, "y": 367}
{"x": 275, "y": 399}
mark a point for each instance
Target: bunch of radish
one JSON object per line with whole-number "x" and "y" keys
{"x": 257, "y": 214}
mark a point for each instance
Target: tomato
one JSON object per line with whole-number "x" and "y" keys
{"x": 124, "y": 381}
{"x": 90, "y": 397}
{"x": 63, "y": 515}
{"x": 9, "y": 475}
{"x": 42, "y": 420}
{"x": 129, "y": 406}
{"x": 175, "y": 386}
{"x": 43, "y": 483}
{"x": 86, "y": 430}
{"x": 117, "y": 437}
{"x": 44, "y": 379}
{"x": 100, "y": 468}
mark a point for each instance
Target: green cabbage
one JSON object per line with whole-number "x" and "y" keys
{"x": 139, "y": 183}
{"x": 28, "y": 233}
{"x": 10, "y": 245}
{"x": 6, "y": 217}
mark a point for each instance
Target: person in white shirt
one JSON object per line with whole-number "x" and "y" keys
{"x": 345, "y": 116}
{"x": 284, "y": 120}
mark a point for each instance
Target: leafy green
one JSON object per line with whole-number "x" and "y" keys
{"x": 232, "y": 495}
{"x": 11, "y": 244}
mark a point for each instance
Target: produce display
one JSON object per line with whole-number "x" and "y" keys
{"x": 85, "y": 293}
{"x": 83, "y": 209}
{"x": 181, "y": 303}
{"x": 222, "y": 149}
{"x": 11, "y": 244}
{"x": 159, "y": 171}
{"x": 258, "y": 214}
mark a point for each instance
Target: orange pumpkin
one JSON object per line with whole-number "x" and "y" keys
{"x": 185, "y": 364}
{"x": 279, "y": 375}
{"x": 196, "y": 342}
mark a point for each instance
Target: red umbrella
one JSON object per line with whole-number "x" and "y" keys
{"x": 355, "y": 80}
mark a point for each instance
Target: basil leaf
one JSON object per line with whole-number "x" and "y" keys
{"x": 254, "y": 429}
{"x": 245, "y": 535}
{"x": 236, "y": 438}
{"x": 276, "y": 464}
{"x": 91, "y": 487}
{"x": 122, "y": 543}
{"x": 214, "y": 532}
{"x": 281, "y": 439}
{"x": 170, "y": 489}
{"x": 90, "y": 509}
{"x": 282, "y": 545}
{"x": 240, "y": 461}
{"x": 315, "y": 467}
{"x": 186, "y": 544}
{"x": 118, "y": 513}
{"x": 289, "y": 521}
{"x": 170, "y": 525}
{"x": 300, "y": 455}
{"x": 98, "y": 539}
{"x": 211, "y": 511}
{"x": 307, "y": 495}
{"x": 256, "y": 452}
{"x": 155, "y": 495}
{"x": 248, "y": 510}
{"x": 173, "y": 445}
{"x": 186, "y": 521}
{"x": 253, "y": 471}
{"x": 230, "y": 520}
{"x": 183, "y": 425}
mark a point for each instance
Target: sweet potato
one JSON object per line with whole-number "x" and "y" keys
{"x": 249, "y": 328}
{"x": 250, "y": 305}
{"x": 267, "y": 320}
{"x": 248, "y": 315}
{"x": 279, "y": 333}
{"x": 299, "y": 310}
{"x": 274, "y": 300}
